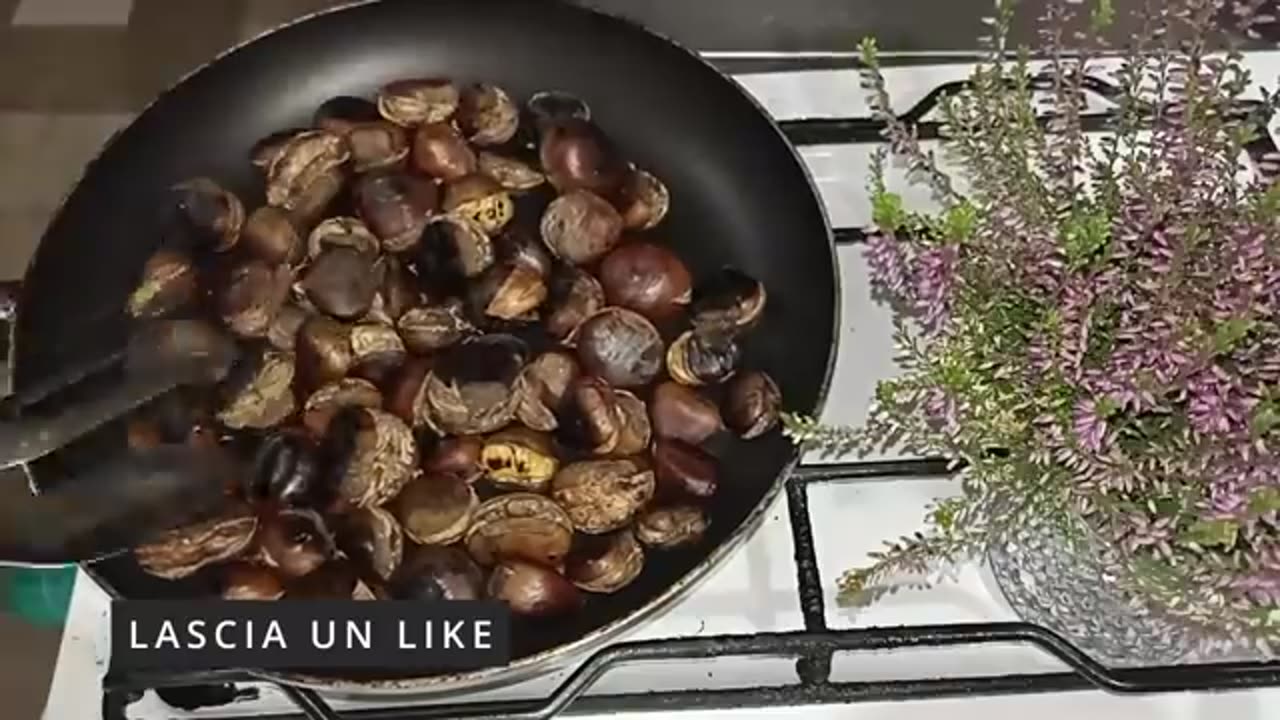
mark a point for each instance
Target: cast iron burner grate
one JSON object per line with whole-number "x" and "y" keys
{"x": 812, "y": 648}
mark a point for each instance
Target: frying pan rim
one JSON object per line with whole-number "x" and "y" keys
{"x": 561, "y": 656}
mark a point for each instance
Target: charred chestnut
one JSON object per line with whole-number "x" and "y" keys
{"x": 437, "y": 573}
{"x": 434, "y": 327}
{"x": 703, "y": 358}
{"x": 343, "y": 232}
{"x": 509, "y": 172}
{"x": 602, "y": 495}
{"x": 325, "y": 402}
{"x": 668, "y": 527}
{"x": 399, "y": 291}
{"x": 302, "y": 175}
{"x": 324, "y": 350}
{"x": 286, "y": 470}
{"x": 580, "y": 227}
{"x": 643, "y": 201}
{"x": 451, "y": 250}
{"x": 620, "y": 346}
{"x": 605, "y": 563}
{"x": 572, "y": 297}
{"x": 635, "y": 430}
{"x": 377, "y": 349}
{"x": 246, "y": 581}
{"x": 487, "y": 115}
{"x": 376, "y": 452}
{"x": 436, "y": 509}
{"x": 752, "y": 404}
{"x": 684, "y": 470}
{"x": 543, "y": 385}
{"x": 295, "y": 542}
{"x": 396, "y": 206}
{"x": 252, "y": 297}
{"x": 439, "y": 151}
{"x": 458, "y": 456}
{"x": 341, "y": 114}
{"x": 169, "y": 284}
{"x": 263, "y": 396}
{"x": 578, "y": 155}
{"x": 480, "y": 199}
{"x": 413, "y": 102}
{"x": 590, "y": 419}
{"x": 519, "y": 459}
{"x": 514, "y": 287}
{"x": 472, "y": 388}
{"x": 181, "y": 552}
{"x": 377, "y": 145}
{"x": 647, "y": 278}
{"x": 270, "y": 235}
{"x": 681, "y": 413}
{"x": 533, "y": 590}
{"x": 731, "y": 302}
{"x": 213, "y": 213}
{"x": 372, "y": 538}
{"x": 342, "y": 282}
{"x": 520, "y": 526}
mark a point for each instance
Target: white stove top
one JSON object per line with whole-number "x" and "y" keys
{"x": 755, "y": 589}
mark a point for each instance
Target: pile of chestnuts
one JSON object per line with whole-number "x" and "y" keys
{"x": 468, "y": 365}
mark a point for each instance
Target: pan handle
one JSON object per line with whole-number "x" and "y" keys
{"x": 10, "y": 292}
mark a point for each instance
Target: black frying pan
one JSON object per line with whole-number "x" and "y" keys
{"x": 740, "y": 196}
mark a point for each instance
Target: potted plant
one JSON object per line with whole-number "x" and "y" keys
{"x": 1091, "y": 329}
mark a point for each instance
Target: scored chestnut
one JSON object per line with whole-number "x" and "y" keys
{"x": 730, "y": 303}
{"x": 648, "y": 278}
{"x": 440, "y": 152}
{"x": 377, "y": 349}
{"x": 252, "y": 296}
{"x": 374, "y": 451}
{"x": 514, "y": 287}
{"x": 286, "y": 470}
{"x": 341, "y": 231}
{"x": 324, "y": 350}
{"x": 436, "y": 509}
{"x": 399, "y": 291}
{"x": 605, "y": 563}
{"x": 684, "y": 470}
{"x": 572, "y": 296}
{"x": 620, "y": 346}
{"x": 682, "y": 413}
{"x": 212, "y": 213}
{"x": 377, "y": 145}
{"x": 373, "y": 540}
{"x": 533, "y": 591}
{"x": 590, "y": 418}
{"x": 169, "y": 284}
{"x": 519, "y": 526}
{"x": 396, "y": 206}
{"x": 487, "y": 115}
{"x": 342, "y": 282}
{"x": 435, "y": 573}
{"x": 580, "y": 227}
{"x": 471, "y": 390}
{"x": 270, "y": 235}
{"x": 412, "y": 102}
{"x": 703, "y": 358}
{"x": 260, "y": 392}
{"x": 664, "y": 528}
{"x": 643, "y": 201}
{"x": 519, "y": 459}
{"x": 450, "y": 251}
{"x": 480, "y": 199}
{"x": 307, "y": 173}
{"x": 183, "y": 551}
{"x": 602, "y": 495}
{"x": 247, "y": 581}
{"x": 343, "y": 113}
{"x": 635, "y": 430}
{"x": 578, "y": 155}
{"x": 295, "y": 542}
{"x": 283, "y": 333}
{"x": 509, "y": 172}
{"x": 458, "y": 456}
{"x": 543, "y": 385}
{"x": 434, "y": 327}
{"x": 326, "y": 401}
{"x": 752, "y": 404}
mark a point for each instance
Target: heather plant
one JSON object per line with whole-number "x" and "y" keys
{"x": 1091, "y": 329}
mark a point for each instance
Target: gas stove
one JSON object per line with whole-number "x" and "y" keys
{"x": 763, "y": 636}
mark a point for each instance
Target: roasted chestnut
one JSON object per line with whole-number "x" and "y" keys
{"x": 437, "y": 573}
{"x": 372, "y": 538}
{"x": 620, "y": 346}
{"x": 683, "y": 470}
{"x": 377, "y": 145}
{"x": 342, "y": 282}
{"x": 295, "y": 542}
{"x": 451, "y": 250}
{"x": 487, "y": 115}
{"x": 590, "y": 419}
{"x": 646, "y": 277}
{"x": 263, "y": 395}
{"x": 270, "y": 235}
{"x": 246, "y": 581}
{"x": 577, "y": 155}
{"x": 668, "y": 527}
{"x": 605, "y": 563}
{"x": 439, "y": 151}
{"x": 324, "y": 350}
{"x": 519, "y": 459}
{"x": 702, "y": 358}
{"x": 413, "y": 102}
{"x": 458, "y": 456}
{"x": 195, "y": 350}
{"x": 286, "y": 470}
{"x": 325, "y": 402}
{"x": 509, "y": 172}
{"x": 399, "y": 291}
{"x": 337, "y": 579}
{"x": 634, "y": 429}
{"x": 681, "y": 413}
{"x": 169, "y": 284}
{"x": 602, "y": 495}
{"x": 436, "y": 509}
{"x": 378, "y": 350}
{"x": 396, "y": 206}
{"x": 214, "y": 214}
{"x": 341, "y": 114}
{"x": 301, "y": 178}
{"x": 549, "y": 106}
{"x": 643, "y": 201}
{"x": 253, "y": 295}
{"x": 543, "y": 385}
{"x": 376, "y": 452}
{"x": 729, "y": 303}
{"x": 433, "y": 327}
{"x": 572, "y": 297}
{"x": 471, "y": 389}
{"x": 580, "y": 227}
{"x": 519, "y": 526}
{"x": 480, "y": 199}
{"x": 514, "y": 287}
{"x": 343, "y": 232}
{"x": 265, "y": 151}
{"x": 752, "y": 404}
{"x": 283, "y": 333}
{"x": 533, "y": 590}
{"x": 181, "y": 552}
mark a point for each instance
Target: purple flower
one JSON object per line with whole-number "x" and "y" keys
{"x": 1089, "y": 425}
{"x": 1215, "y": 403}
{"x": 933, "y": 277}
{"x": 887, "y": 262}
